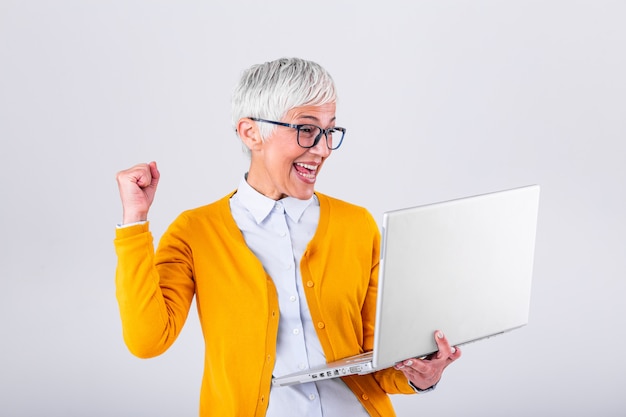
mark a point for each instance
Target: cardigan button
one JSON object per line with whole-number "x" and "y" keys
{"x": 310, "y": 284}
{"x": 365, "y": 397}
{"x": 321, "y": 325}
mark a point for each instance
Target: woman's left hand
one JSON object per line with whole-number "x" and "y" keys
{"x": 426, "y": 372}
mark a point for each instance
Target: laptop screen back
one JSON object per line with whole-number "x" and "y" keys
{"x": 461, "y": 266}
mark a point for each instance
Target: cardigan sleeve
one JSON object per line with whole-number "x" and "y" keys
{"x": 154, "y": 292}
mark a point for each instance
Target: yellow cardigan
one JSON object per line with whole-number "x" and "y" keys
{"x": 204, "y": 253}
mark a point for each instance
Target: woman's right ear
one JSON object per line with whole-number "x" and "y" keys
{"x": 249, "y": 134}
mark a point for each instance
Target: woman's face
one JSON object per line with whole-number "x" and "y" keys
{"x": 279, "y": 167}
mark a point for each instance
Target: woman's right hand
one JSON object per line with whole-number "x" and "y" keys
{"x": 137, "y": 186}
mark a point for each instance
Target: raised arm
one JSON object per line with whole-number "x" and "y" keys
{"x": 153, "y": 299}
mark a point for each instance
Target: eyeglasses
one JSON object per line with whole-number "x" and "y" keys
{"x": 309, "y": 135}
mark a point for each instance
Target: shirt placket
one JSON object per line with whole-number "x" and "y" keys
{"x": 292, "y": 355}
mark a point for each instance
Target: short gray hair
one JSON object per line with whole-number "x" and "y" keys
{"x": 270, "y": 90}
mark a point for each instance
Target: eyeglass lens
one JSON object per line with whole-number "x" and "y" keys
{"x": 309, "y": 135}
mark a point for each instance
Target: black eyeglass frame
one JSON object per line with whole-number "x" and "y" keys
{"x": 323, "y": 132}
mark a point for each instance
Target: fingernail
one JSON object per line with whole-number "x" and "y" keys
{"x": 440, "y": 335}
{"x": 408, "y": 363}
{"x": 453, "y": 350}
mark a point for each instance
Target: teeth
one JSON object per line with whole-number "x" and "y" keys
{"x": 309, "y": 167}
{"x": 309, "y": 176}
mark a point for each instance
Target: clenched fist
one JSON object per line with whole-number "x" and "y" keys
{"x": 137, "y": 187}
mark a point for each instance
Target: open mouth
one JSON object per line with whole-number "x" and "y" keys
{"x": 305, "y": 170}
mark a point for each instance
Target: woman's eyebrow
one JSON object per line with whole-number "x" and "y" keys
{"x": 313, "y": 118}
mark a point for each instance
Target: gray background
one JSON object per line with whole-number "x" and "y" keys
{"x": 441, "y": 99}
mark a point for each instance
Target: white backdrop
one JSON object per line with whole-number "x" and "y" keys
{"x": 441, "y": 99}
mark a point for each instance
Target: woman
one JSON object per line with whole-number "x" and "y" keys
{"x": 285, "y": 278}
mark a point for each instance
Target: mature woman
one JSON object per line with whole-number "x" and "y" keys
{"x": 284, "y": 277}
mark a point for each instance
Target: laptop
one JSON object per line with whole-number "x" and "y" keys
{"x": 462, "y": 266}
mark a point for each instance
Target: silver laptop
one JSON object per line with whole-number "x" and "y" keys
{"x": 462, "y": 266}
